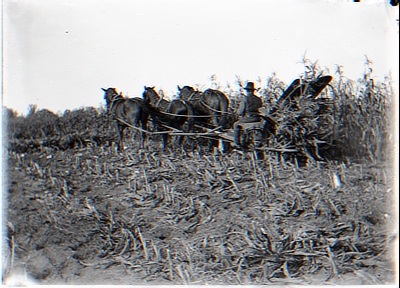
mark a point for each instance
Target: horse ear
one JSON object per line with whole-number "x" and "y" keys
{"x": 103, "y": 89}
{"x": 152, "y": 87}
{"x": 179, "y": 88}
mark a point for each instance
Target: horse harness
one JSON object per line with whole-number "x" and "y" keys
{"x": 116, "y": 98}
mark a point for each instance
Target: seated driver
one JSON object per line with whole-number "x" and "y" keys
{"x": 248, "y": 110}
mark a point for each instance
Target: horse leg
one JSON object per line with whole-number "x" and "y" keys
{"x": 188, "y": 140}
{"x": 211, "y": 145}
{"x": 260, "y": 155}
{"x": 141, "y": 136}
{"x": 165, "y": 141}
{"x": 226, "y": 146}
{"x": 120, "y": 130}
{"x": 220, "y": 144}
{"x": 181, "y": 142}
{"x": 143, "y": 133}
{"x": 136, "y": 134}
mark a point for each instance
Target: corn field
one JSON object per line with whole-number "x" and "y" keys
{"x": 77, "y": 207}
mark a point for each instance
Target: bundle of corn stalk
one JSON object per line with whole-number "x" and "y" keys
{"x": 304, "y": 119}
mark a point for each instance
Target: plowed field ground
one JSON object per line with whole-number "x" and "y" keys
{"x": 95, "y": 216}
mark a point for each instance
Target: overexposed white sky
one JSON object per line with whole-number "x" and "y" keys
{"x": 58, "y": 54}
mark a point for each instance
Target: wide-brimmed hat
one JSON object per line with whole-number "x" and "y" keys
{"x": 250, "y": 86}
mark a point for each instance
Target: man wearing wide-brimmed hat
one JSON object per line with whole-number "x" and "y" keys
{"x": 248, "y": 110}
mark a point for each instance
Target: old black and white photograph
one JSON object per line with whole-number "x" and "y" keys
{"x": 202, "y": 142}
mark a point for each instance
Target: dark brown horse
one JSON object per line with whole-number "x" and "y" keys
{"x": 212, "y": 103}
{"x": 127, "y": 112}
{"x": 176, "y": 114}
{"x": 210, "y": 107}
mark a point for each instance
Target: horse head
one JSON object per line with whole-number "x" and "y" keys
{"x": 150, "y": 96}
{"x": 110, "y": 94}
{"x": 185, "y": 92}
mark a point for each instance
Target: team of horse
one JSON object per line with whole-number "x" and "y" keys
{"x": 194, "y": 112}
